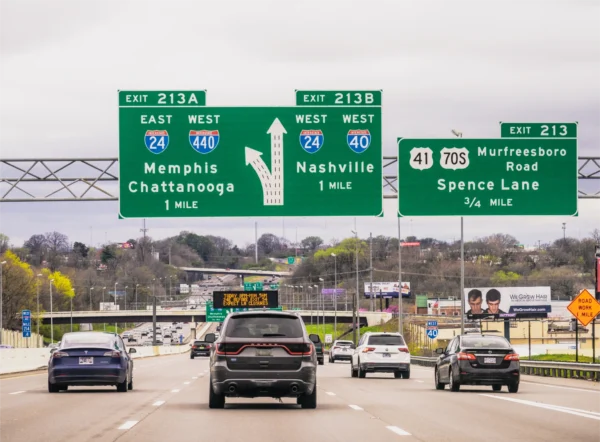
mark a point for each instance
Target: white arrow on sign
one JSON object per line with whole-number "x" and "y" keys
{"x": 271, "y": 181}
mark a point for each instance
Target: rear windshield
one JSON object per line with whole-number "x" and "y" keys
{"x": 199, "y": 342}
{"x": 87, "y": 340}
{"x": 386, "y": 340}
{"x": 484, "y": 342}
{"x": 344, "y": 343}
{"x": 264, "y": 326}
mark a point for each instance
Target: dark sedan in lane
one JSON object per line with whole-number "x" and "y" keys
{"x": 90, "y": 359}
{"x": 200, "y": 348}
{"x": 478, "y": 360}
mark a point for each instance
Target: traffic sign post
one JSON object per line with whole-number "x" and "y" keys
{"x": 538, "y": 130}
{"x": 291, "y": 260}
{"x": 26, "y": 323}
{"x": 181, "y": 159}
{"x": 469, "y": 177}
{"x": 432, "y": 329}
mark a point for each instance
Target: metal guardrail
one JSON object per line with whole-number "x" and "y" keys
{"x": 540, "y": 368}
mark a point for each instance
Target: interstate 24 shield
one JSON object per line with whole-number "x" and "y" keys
{"x": 156, "y": 141}
{"x": 311, "y": 140}
{"x": 359, "y": 140}
{"x": 204, "y": 141}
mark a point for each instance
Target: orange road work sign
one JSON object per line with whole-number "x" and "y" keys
{"x": 584, "y": 307}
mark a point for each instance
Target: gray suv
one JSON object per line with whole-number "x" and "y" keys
{"x": 263, "y": 354}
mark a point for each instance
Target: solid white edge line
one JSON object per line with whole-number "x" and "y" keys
{"x": 330, "y": 393}
{"x": 399, "y": 431}
{"x": 128, "y": 425}
{"x": 186, "y": 383}
{"x": 418, "y": 380}
{"x": 158, "y": 403}
{"x": 573, "y": 411}
{"x": 561, "y": 387}
{"x": 18, "y": 392}
{"x": 355, "y": 407}
{"x": 175, "y": 391}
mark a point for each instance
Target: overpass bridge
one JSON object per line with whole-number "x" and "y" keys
{"x": 238, "y": 272}
{"x": 197, "y": 315}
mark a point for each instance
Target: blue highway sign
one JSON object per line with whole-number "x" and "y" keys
{"x": 26, "y": 319}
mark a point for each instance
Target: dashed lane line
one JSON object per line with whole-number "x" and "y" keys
{"x": 355, "y": 407}
{"x": 128, "y": 425}
{"x": 399, "y": 431}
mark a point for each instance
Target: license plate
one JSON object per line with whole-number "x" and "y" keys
{"x": 387, "y": 355}
{"x": 202, "y": 348}
{"x": 86, "y": 361}
{"x": 343, "y": 349}
{"x": 263, "y": 352}
{"x": 489, "y": 360}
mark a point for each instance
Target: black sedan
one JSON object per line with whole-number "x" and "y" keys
{"x": 478, "y": 360}
{"x": 90, "y": 359}
{"x": 200, "y": 348}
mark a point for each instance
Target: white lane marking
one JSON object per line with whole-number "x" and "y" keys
{"x": 186, "y": 383}
{"x": 561, "y": 387}
{"x": 127, "y": 425}
{"x": 330, "y": 393}
{"x": 574, "y": 411}
{"x": 18, "y": 392}
{"x": 158, "y": 403}
{"x": 174, "y": 391}
{"x": 355, "y": 407}
{"x": 194, "y": 377}
{"x": 397, "y": 430}
{"x": 417, "y": 380}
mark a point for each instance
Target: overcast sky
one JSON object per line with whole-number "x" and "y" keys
{"x": 441, "y": 64}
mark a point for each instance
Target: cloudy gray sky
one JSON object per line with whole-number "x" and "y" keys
{"x": 441, "y": 64}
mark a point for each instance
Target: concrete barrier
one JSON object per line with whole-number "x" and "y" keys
{"x": 15, "y": 360}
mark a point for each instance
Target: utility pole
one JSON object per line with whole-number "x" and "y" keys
{"x": 371, "y": 270}
{"x": 38, "y": 304}
{"x": 256, "y": 242}
{"x": 144, "y": 230}
{"x": 462, "y": 265}
{"x": 357, "y": 297}
{"x": 334, "y": 294}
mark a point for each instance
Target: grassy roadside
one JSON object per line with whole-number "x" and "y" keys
{"x": 559, "y": 358}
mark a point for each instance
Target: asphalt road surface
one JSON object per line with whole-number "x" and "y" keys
{"x": 169, "y": 402}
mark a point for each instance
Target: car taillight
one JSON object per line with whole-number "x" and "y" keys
{"x": 60, "y": 354}
{"x": 308, "y": 349}
{"x": 113, "y": 354}
{"x": 335, "y": 348}
{"x": 208, "y": 346}
{"x": 219, "y": 349}
{"x": 403, "y": 349}
{"x": 193, "y": 346}
{"x": 511, "y": 357}
{"x": 368, "y": 349}
{"x": 462, "y": 356}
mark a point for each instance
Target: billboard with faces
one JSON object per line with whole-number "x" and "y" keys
{"x": 507, "y": 302}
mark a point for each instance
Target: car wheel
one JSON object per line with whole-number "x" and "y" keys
{"x": 352, "y": 371}
{"x": 215, "y": 400}
{"x": 397, "y": 374}
{"x": 130, "y": 385}
{"x": 496, "y": 387}
{"x": 454, "y": 386}
{"x": 191, "y": 356}
{"x": 513, "y": 387}
{"x": 63, "y": 388}
{"x": 406, "y": 374}
{"x": 438, "y": 384}
{"x": 122, "y": 386}
{"x": 361, "y": 374}
{"x": 321, "y": 362}
{"x": 332, "y": 360}
{"x": 308, "y": 401}
{"x": 52, "y": 388}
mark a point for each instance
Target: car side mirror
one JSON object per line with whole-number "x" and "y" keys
{"x": 210, "y": 337}
{"x": 314, "y": 338}
{"x": 52, "y": 350}
{"x": 439, "y": 351}
{"x": 132, "y": 350}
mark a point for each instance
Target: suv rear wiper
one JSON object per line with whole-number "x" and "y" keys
{"x": 270, "y": 335}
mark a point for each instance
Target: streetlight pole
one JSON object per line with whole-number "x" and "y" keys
{"x": 136, "y": 298}
{"x": 1, "y": 291}
{"x": 72, "y": 311}
{"x": 38, "y": 305}
{"x": 334, "y": 295}
{"x": 371, "y": 270}
{"x": 103, "y": 293}
{"x": 51, "y": 314}
{"x": 462, "y": 264}
{"x": 357, "y": 298}
{"x": 91, "y": 303}
{"x": 322, "y": 302}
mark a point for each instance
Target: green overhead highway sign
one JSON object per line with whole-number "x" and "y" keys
{"x": 194, "y": 161}
{"x": 338, "y": 98}
{"x": 462, "y": 177}
{"x": 291, "y": 260}
{"x": 538, "y": 130}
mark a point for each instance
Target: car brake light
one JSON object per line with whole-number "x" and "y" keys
{"x": 193, "y": 346}
{"x": 208, "y": 346}
{"x": 368, "y": 349}
{"x": 462, "y": 356}
{"x": 335, "y": 348}
{"x": 113, "y": 354}
{"x": 60, "y": 354}
{"x": 511, "y": 357}
{"x": 403, "y": 349}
